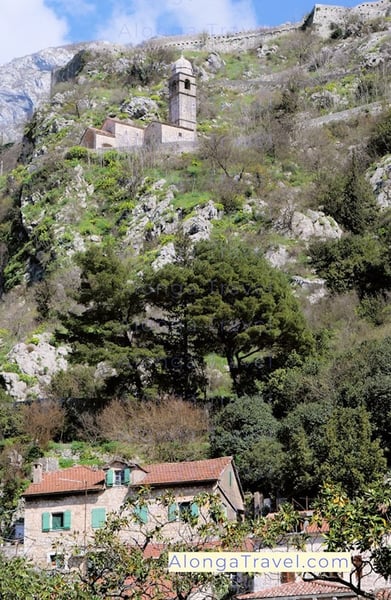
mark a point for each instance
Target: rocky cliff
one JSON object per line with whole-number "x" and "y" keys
{"x": 25, "y": 83}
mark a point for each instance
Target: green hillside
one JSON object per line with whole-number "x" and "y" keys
{"x": 231, "y": 299}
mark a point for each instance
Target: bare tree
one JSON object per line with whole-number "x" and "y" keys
{"x": 42, "y": 421}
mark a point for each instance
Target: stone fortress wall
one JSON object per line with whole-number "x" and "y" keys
{"x": 321, "y": 17}
{"x": 228, "y": 42}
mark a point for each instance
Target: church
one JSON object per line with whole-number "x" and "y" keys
{"x": 180, "y": 131}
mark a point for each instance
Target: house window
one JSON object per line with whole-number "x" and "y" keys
{"x": 141, "y": 513}
{"x": 184, "y": 510}
{"x": 116, "y": 477}
{"x": 98, "y": 517}
{"x": 181, "y": 511}
{"x": 58, "y": 521}
{"x": 187, "y": 84}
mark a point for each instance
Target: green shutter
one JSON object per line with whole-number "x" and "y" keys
{"x": 46, "y": 521}
{"x": 141, "y": 513}
{"x": 110, "y": 478}
{"x": 194, "y": 509}
{"x": 230, "y": 478}
{"x": 172, "y": 512}
{"x": 127, "y": 476}
{"x": 67, "y": 519}
{"x": 98, "y": 517}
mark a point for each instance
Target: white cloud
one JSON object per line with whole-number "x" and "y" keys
{"x": 27, "y": 26}
{"x": 132, "y": 25}
{"x": 142, "y": 19}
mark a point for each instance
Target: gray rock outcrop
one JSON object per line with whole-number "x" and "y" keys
{"x": 141, "y": 107}
{"x": 36, "y": 362}
{"x": 325, "y": 100}
{"x": 214, "y": 62}
{"x": 278, "y": 257}
{"x": 266, "y": 50}
{"x": 314, "y": 289}
{"x": 166, "y": 256}
{"x": 314, "y": 224}
{"x": 380, "y": 181}
{"x": 156, "y": 215}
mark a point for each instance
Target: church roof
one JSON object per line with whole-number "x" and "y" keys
{"x": 182, "y": 65}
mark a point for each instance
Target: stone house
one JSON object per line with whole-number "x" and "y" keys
{"x": 66, "y": 506}
{"x": 313, "y": 539}
{"x": 179, "y": 132}
{"x": 290, "y": 585}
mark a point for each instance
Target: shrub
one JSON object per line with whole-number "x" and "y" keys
{"x": 77, "y": 153}
{"x": 380, "y": 142}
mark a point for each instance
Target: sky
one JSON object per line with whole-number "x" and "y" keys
{"x": 27, "y": 26}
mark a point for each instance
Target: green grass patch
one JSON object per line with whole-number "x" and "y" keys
{"x": 238, "y": 65}
{"x": 190, "y": 200}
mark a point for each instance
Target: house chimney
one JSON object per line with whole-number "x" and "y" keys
{"x": 37, "y": 473}
{"x": 258, "y": 503}
{"x": 287, "y": 577}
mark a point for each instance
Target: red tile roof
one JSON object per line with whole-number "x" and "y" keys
{"x": 154, "y": 550}
{"x": 74, "y": 479}
{"x": 78, "y": 479}
{"x": 315, "y": 528}
{"x": 299, "y": 588}
{"x": 183, "y": 472}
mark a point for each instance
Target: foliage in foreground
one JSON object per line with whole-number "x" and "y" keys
{"x": 128, "y": 558}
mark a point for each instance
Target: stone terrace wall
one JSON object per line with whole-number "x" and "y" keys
{"x": 228, "y": 42}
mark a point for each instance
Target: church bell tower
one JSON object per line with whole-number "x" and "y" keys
{"x": 182, "y": 95}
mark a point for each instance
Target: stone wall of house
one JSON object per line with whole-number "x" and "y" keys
{"x": 40, "y": 545}
{"x": 231, "y": 495}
